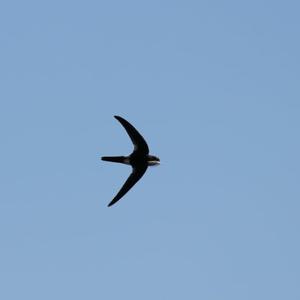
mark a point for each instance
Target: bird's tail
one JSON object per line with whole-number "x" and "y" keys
{"x": 117, "y": 159}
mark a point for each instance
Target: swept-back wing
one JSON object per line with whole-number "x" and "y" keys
{"x": 129, "y": 183}
{"x": 138, "y": 141}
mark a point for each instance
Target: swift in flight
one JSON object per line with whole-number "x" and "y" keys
{"x": 139, "y": 159}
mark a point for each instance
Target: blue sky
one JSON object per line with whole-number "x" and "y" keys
{"x": 214, "y": 88}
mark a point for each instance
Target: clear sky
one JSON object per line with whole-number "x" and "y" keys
{"x": 214, "y": 88}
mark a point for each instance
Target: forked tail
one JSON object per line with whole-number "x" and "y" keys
{"x": 117, "y": 159}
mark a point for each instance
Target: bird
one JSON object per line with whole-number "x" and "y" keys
{"x": 139, "y": 159}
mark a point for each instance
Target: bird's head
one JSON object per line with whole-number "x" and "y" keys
{"x": 153, "y": 160}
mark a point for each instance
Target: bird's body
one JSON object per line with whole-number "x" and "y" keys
{"x": 139, "y": 159}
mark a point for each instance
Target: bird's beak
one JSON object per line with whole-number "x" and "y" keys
{"x": 153, "y": 162}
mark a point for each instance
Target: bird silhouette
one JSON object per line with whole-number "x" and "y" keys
{"x": 139, "y": 159}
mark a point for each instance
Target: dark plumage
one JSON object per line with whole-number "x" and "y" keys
{"x": 139, "y": 159}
